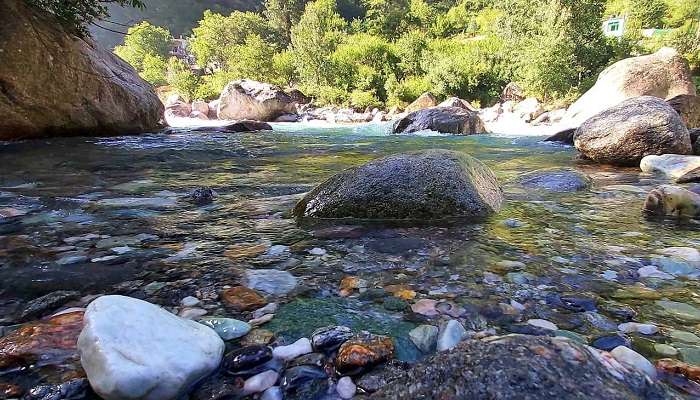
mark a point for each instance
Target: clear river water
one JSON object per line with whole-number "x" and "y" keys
{"x": 109, "y": 215}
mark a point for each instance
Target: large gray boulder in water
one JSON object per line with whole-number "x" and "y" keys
{"x": 522, "y": 368}
{"x": 423, "y": 185}
{"x": 252, "y": 100}
{"x": 626, "y": 133}
{"x": 54, "y": 83}
{"x": 664, "y": 74}
{"x": 454, "y": 120}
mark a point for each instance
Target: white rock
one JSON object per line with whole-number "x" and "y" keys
{"x": 131, "y": 349}
{"x": 672, "y": 165}
{"x": 260, "y": 382}
{"x": 687, "y": 254}
{"x": 644, "y": 329}
{"x": 273, "y": 393}
{"x": 294, "y": 350}
{"x": 189, "y": 301}
{"x": 316, "y": 251}
{"x": 270, "y": 308}
{"x": 450, "y": 335}
{"x": 543, "y": 323}
{"x": 346, "y": 388}
{"x": 632, "y": 359}
{"x": 192, "y": 313}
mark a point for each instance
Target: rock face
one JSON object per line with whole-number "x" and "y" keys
{"x": 664, "y": 74}
{"x": 520, "y": 367}
{"x": 426, "y": 100}
{"x": 131, "y": 349}
{"x": 688, "y": 107}
{"x": 454, "y": 120}
{"x": 53, "y": 83}
{"x": 431, "y": 184}
{"x": 632, "y": 130}
{"x": 672, "y": 201}
{"x": 252, "y": 100}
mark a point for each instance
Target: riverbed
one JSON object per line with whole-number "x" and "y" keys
{"x": 111, "y": 215}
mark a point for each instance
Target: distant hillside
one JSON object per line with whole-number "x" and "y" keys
{"x": 180, "y": 16}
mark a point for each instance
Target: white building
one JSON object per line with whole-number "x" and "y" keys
{"x": 614, "y": 27}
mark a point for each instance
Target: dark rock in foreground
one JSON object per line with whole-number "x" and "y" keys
{"x": 523, "y": 368}
{"x": 566, "y": 137}
{"x": 626, "y": 133}
{"x": 424, "y": 185}
{"x": 454, "y": 120}
{"x": 234, "y": 127}
{"x": 53, "y": 83}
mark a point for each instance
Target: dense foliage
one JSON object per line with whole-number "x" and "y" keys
{"x": 392, "y": 51}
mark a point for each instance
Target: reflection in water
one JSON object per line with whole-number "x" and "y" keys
{"x": 91, "y": 214}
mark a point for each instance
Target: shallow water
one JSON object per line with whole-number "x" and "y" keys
{"x": 127, "y": 186}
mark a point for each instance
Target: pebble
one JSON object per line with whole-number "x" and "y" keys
{"x": 121, "y": 250}
{"x": 683, "y": 336}
{"x": 270, "y": 281}
{"x": 227, "y": 328}
{"x": 297, "y": 376}
{"x": 452, "y": 333}
{"x": 153, "y": 288}
{"x": 690, "y": 355}
{"x": 189, "y": 301}
{"x": 425, "y": 337}
{"x": 268, "y": 309}
{"x": 346, "y": 388}
{"x": 543, "y": 323}
{"x": 69, "y": 260}
{"x": 665, "y": 350}
{"x": 258, "y": 337}
{"x": 607, "y": 343}
{"x": 104, "y": 259}
{"x": 262, "y": 320}
{"x": 192, "y": 313}
{"x": 651, "y": 271}
{"x": 425, "y": 307}
{"x": 644, "y": 329}
{"x": 241, "y": 298}
{"x": 680, "y": 310}
{"x": 273, "y": 393}
{"x": 316, "y": 251}
{"x": 260, "y": 382}
{"x": 691, "y": 372}
{"x": 247, "y": 358}
{"x": 363, "y": 351}
{"x": 631, "y": 358}
{"x": 294, "y": 350}
{"x": 330, "y": 338}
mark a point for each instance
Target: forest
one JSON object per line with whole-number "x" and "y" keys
{"x": 379, "y": 53}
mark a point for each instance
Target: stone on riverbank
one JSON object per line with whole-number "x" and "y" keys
{"x": 454, "y": 120}
{"x": 251, "y": 100}
{"x": 426, "y": 100}
{"x": 664, "y": 74}
{"x": 673, "y": 165}
{"x": 423, "y": 185}
{"x": 57, "y": 84}
{"x": 556, "y": 180}
{"x": 131, "y": 349}
{"x": 672, "y": 201}
{"x": 520, "y": 367}
{"x": 688, "y": 107}
{"x": 626, "y": 133}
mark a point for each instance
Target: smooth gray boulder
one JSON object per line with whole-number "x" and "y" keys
{"x": 251, "y": 100}
{"x": 454, "y": 120}
{"x": 624, "y": 134}
{"x": 422, "y": 185}
{"x": 664, "y": 74}
{"x": 519, "y": 367}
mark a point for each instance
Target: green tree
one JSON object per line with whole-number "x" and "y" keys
{"x": 154, "y": 70}
{"x": 648, "y": 13}
{"x": 181, "y": 77}
{"x": 282, "y": 15}
{"x": 78, "y": 14}
{"x": 144, "y": 40}
{"x": 216, "y": 35}
{"x": 252, "y": 60}
{"x": 314, "y": 39}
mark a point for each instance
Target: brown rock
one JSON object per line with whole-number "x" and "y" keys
{"x": 688, "y": 107}
{"x": 258, "y": 337}
{"x": 246, "y": 250}
{"x": 53, "y": 83}
{"x": 50, "y": 342}
{"x": 363, "y": 351}
{"x": 671, "y": 366}
{"x": 10, "y": 391}
{"x": 241, "y": 298}
{"x": 426, "y": 100}
{"x": 252, "y": 100}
